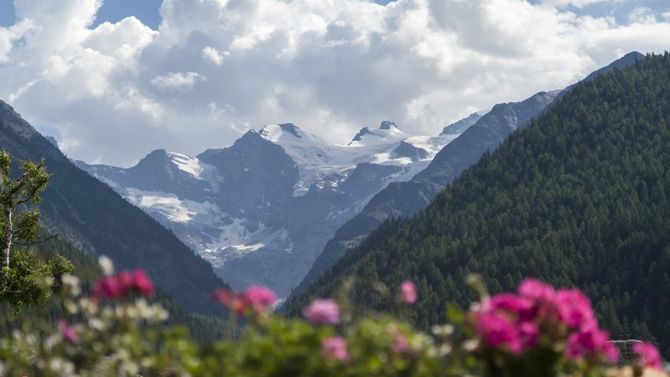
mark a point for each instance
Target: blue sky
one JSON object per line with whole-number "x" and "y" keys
{"x": 148, "y": 10}
{"x": 112, "y": 11}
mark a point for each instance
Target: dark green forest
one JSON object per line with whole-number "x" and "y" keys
{"x": 577, "y": 198}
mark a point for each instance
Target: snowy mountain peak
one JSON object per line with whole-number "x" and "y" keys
{"x": 275, "y": 132}
{"x": 359, "y": 136}
{"x": 387, "y": 125}
{"x": 155, "y": 158}
{"x": 388, "y": 132}
{"x": 291, "y": 129}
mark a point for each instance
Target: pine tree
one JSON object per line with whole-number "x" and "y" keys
{"x": 18, "y": 198}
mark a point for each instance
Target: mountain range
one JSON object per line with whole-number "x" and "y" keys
{"x": 260, "y": 210}
{"x": 280, "y": 206}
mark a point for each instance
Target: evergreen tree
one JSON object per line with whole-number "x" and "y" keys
{"x": 18, "y": 198}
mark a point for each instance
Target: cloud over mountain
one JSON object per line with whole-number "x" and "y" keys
{"x": 216, "y": 68}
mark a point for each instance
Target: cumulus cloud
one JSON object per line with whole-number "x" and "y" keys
{"x": 213, "y": 55}
{"x": 576, "y": 3}
{"x": 177, "y": 80}
{"x": 216, "y": 68}
{"x": 642, "y": 15}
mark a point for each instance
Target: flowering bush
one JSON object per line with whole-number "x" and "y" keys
{"x": 539, "y": 329}
{"x": 536, "y": 331}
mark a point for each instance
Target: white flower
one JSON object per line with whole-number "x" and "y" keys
{"x": 71, "y": 283}
{"x": 106, "y": 265}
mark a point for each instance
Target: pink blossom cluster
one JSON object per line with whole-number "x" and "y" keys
{"x": 68, "y": 332}
{"x": 408, "y": 292}
{"x": 255, "y": 298}
{"x": 519, "y": 321}
{"x": 400, "y": 343}
{"x": 335, "y": 348}
{"x": 323, "y": 312}
{"x": 123, "y": 284}
{"x": 648, "y": 355}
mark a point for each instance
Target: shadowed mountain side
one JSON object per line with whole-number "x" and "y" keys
{"x": 89, "y": 213}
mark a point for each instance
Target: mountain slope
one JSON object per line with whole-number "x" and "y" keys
{"x": 579, "y": 197}
{"x": 404, "y": 199}
{"x": 79, "y": 207}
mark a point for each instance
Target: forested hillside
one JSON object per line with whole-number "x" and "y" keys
{"x": 578, "y": 198}
{"x": 405, "y": 199}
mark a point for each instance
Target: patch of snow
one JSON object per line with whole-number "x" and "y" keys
{"x": 241, "y": 237}
{"x": 432, "y": 145}
{"x": 188, "y": 164}
{"x": 168, "y": 205}
{"x": 254, "y": 247}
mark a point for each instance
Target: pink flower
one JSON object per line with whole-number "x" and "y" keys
{"x": 536, "y": 290}
{"x": 408, "y": 291}
{"x": 259, "y": 298}
{"x": 575, "y": 309}
{"x": 591, "y": 342}
{"x": 142, "y": 284}
{"x": 335, "y": 348}
{"x": 67, "y": 332}
{"x": 109, "y": 288}
{"x": 255, "y": 297}
{"x": 648, "y": 355}
{"x": 400, "y": 344}
{"x": 125, "y": 280}
{"x": 499, "y": 330}
{"x": 122, "y": 284}
{"x": 230, "y": 300}
{"x": 521, "y": 307}
{"x": 322, "y": 312}
{"x": 529, "y": 333}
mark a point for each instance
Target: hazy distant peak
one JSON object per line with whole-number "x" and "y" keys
{"x": 387, "y": 132}
{"x": 387, "y": 125}
{"x": 359, "y": 136}
{"x": 461, "y": 125}
{"x": 274, "y": 132}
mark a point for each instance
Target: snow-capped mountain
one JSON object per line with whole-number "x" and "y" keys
{"x": 260, "y": 210}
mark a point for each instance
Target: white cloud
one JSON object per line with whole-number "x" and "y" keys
{"x": 577, "y": 3}
{"x": 177, "y": 80}
{"x": 213, "y": 55}
{"x": 8, "y": 36}
{"x": 642, "y": 15}
{"x": 216, "y": 68}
